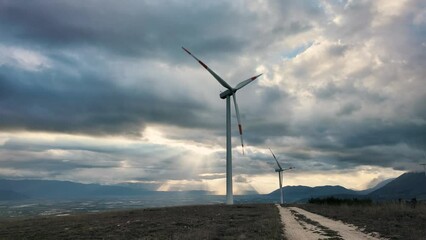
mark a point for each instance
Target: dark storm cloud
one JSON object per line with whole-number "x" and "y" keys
{"x": 46, "y": 164}
{"x": 331, "y": 91}
{"x": 346, "y": 145}
{"x": 41, "y": 146}
{"x": 258, "y": 134}
{"x": 82, "y": 100}
{"x": 335, "y": 134}
{"x": 132, "y": 28}
{"x": 377, "y": 132}
{"x": 348, "y": 109}
{"x": 86, "y": 104}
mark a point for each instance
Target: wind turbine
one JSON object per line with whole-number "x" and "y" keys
{"x": 280, "y": 171}
{"x": 424, "y": 164}
{"x": 227, "y": 95}
{"x": 424, "y": 167}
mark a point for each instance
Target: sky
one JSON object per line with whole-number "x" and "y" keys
{"x": 102, "y": 92}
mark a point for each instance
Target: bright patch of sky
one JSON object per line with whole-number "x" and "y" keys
{"x": 105, "y": 94}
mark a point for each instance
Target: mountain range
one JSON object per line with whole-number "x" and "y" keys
{"x": 407, "y": 186}
{"x": 51, "y": 189}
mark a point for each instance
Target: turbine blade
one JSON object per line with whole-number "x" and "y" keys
{"x": 282, "y": 176}
{"x": 219, "y": 79}
{"x": 245, "y": 82}
{"x": 276, "y": 159}
{"x": 237, "y": 112}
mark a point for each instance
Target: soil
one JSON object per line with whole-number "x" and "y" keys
{"x": 301, "y": 224}
{"x": 391, "y": 220}
{"x": 250, "y": 221}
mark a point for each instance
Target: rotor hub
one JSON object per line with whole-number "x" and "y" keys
{"x": 227, "y": 93}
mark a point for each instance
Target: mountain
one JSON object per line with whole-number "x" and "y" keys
{"x": 62, "y": 189}
{"x": 8, "y": 195}
{"x": 379, "y": 185}
{"x": 407, "y": 186}
{"x": 139, "y": 186}
{"x": 302, "y": 193}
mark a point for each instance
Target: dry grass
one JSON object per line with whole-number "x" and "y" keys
{"x": 251, "y": 221}
{"x": 392, "y": 221}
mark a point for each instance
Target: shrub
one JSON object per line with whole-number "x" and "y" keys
{"x": 339, "y": 201}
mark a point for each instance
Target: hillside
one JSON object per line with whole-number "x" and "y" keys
{"x": 9, "y": 195}
{"x": 377, "y": 186}
{"x": 297, "y": 193}
{"x": 406, "y": 186}
{"x": 60, "y": 189}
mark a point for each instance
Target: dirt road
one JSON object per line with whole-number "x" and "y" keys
{"x": 301, "y": 224}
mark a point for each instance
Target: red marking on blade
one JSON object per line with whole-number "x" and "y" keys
{"x": 241, "y": 130}
{"x": 253, "y": 77}
{"x": 204, "y": 65}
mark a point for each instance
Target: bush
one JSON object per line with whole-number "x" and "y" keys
{"x": 338, "y": 201}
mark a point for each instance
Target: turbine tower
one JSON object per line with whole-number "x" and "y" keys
{"x": 424, "y": 165}
{"x": 227, "y": 95}
{"x": 280, "y": 172}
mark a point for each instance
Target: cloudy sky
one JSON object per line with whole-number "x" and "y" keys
{"x": 102, "y": 92}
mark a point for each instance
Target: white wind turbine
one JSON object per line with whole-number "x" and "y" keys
{"x": 424, "y": 165}
{"x": 280, "y": 172}
{"x": 227, "y": 95}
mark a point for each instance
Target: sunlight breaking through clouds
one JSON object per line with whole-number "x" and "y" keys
{"x": 91, "y": 99}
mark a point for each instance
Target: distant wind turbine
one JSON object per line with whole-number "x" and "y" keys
{"x": 424, "y": 165}
{"x": 227, "y": 95}
{"x": 280, "y": 172}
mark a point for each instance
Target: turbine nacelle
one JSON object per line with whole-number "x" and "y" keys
{"x": 227, "y": 93}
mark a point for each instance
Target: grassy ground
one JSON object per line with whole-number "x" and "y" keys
{"x": 392, "y": 221}
{"x": 251, "y": 221}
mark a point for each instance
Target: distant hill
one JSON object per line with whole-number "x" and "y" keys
{"x": 379, "y": 185}
{"x": 8, "y": 195}
{"x": 60, "y": 189}
{"x": 406, "y": 186}
{"x": 302, "y": 193}
{"x": 138, "y": 186}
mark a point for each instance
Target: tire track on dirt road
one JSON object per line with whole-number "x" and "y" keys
{"x": 301, "y": 224}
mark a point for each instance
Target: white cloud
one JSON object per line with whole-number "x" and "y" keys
{"x": 25, "y": 59}
{"x": 387, "y": 10}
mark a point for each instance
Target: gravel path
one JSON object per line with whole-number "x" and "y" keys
{"x": 301, "y": 224}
